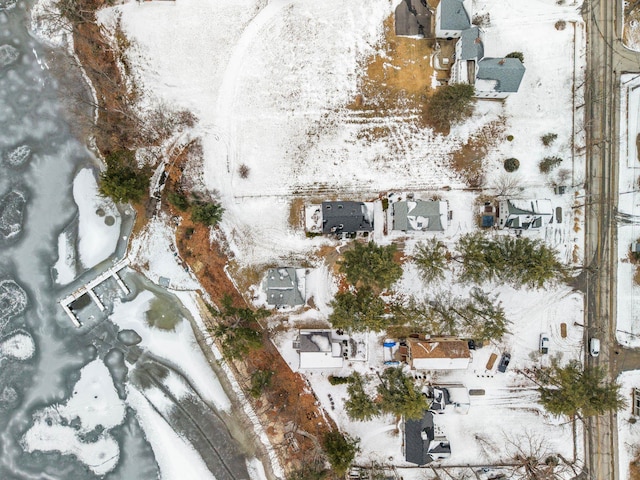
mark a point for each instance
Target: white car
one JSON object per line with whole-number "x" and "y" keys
{"x": 594, "y": 347}
{"x": 544, "y": 343}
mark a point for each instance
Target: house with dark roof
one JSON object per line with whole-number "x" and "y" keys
{"x": 443, "y": 353}
{"x": 318, "y": 349}
{"x": 413, "y": 19}
{"x": 528, "y": 214}
{"x": 498, "y": 77}
{"x": 421, "y": 444}
{"x": 452, "y": 18}
{"x": 346, "y": 218}
{"x": 282, "y": 287}
{"x": 419, "y": 215}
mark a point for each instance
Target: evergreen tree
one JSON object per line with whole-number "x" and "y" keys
{"x": 572, "y": 390}
{"x": 341, "y": 450}
{"x": 359, "y": 311}
{"x": 431, "y": 259}
{"x": 122, "y": 181}
{"x": 238, "y": 328}
{"x": 359, "y": 405}
{"x": 398, "y": 395}
{"x": 450, "y": 104}
{"x": 517, "y": 261}
{"x": 209, "y": 213}
{"x": 370, "y": 265}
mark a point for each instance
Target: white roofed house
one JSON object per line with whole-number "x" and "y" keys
{"x": 524, "y": 214}
{"x": 438, "y": 354}
{"x": 318, "y": 349}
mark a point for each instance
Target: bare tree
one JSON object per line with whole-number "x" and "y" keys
{"x": 507, "y": 184}
{"x": 533, "y": 459}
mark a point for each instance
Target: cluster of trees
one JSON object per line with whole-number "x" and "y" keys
{"x": 506, "y": 259}
{"x": 576, "y": 391}
{"x": 238, "y": 330}
{"x": 123, "y": 181}
{"x": 480, "y": 316}
{"x": 369, "y": 269}
{"x": 396, "y": 393}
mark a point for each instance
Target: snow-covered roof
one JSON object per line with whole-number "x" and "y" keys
{"x": 530, "y": 206}
{"x": 318, "y": 350}
{"x": 281, "y": 286}
{"x": 416, "y": 445}
{"x": 506, "y": 72}
{"x": 419, "y": 215}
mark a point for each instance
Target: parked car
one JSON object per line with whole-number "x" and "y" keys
{"x": 594, "y": 347}
{"x": 504, "y": 362}
{"x": 544, "y": 343}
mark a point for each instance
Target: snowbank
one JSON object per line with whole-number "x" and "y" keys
{"x": 99, "y": 222}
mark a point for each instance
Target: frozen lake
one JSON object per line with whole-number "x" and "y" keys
{"x": 108, "y": 400}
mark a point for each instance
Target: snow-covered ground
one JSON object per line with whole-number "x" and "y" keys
{"x": 99, "y": 220}
{"x": 628, "y": 428}
{"x": 628, "y": 294}
{"x": 64, "y": 427}
{"x": 270, "y": 86}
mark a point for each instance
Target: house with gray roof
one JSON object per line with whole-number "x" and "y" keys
{"x": 419, "y": 216}
{"x": 282, "y": 287}
{"x": 529, "y": 214}
{"x": 469, "y": 51}
{"x": 498, "y": 77}
{"x": 413, "y": 19}
{"x": 421, "y": 444}
{"x": 346, "y": 218}
{"x": 452, "y": 18}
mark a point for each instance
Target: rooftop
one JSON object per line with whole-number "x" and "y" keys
{"x": 346, "y": 217}
{"x": 281, "y": 286}
{"x": 440, "y": 348}
{"x": 506, "y": 72}
{"x": 453, "y": 15}
{"x": 419, "y": 215}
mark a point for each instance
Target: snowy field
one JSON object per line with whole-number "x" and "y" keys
{"x": 628, "y": 295}
{"x": 272, "y": 82}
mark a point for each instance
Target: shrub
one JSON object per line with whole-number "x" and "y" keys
{"x": 450, "y": 104}
{"x": 560, "y": 25}
{"x": 338, "y": 380}
{"x": 548, "y": 138}
{"x": 517, "y": 55}
{"x": 243, "y": 171}
{"x": 510, "y": 138}
{"x": 207, "y": 213}
{"x": 511, "y": 164}
{"x": 260, "y": 380}
{"x": 549, "y": 163}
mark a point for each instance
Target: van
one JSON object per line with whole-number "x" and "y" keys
{"x": 594, "y": 347}
{"x": 544, "y": 343}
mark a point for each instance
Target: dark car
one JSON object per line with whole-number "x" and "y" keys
{"x": 504, "y": 362}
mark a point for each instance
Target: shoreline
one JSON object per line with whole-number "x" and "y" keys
{"x": 254, "y": 439}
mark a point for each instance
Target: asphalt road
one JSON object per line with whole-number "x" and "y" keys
{"x": 607, "y": 59}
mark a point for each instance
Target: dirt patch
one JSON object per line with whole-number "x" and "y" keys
{"x": 468, "y": 160}
{"x": 400, "y": 76}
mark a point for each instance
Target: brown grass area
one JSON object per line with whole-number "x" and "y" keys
{"x": 468, "y": 160}
{"x": 296, "y": 213}
{"x": 399, "y": 78}
{"x": 634, "y": 468}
